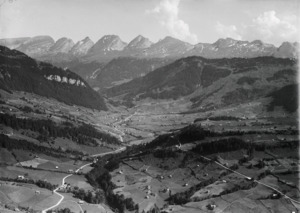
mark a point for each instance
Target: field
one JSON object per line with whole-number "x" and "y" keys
{"x": 149, "y": 179}
{"x": 72, "y": 203}
{"x": 26, "y": 195}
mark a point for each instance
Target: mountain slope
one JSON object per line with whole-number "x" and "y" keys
{"x": 211, "y": 82}
{"x": 22, "y": 73}
{"x": 36, "y": 46}
{"x": 82, "y": 47}
{"x": 125, "y": 69}
{"x": 62, "y": 45}
{"x": 167, "y": 47}
{"x": 108, "y": 47}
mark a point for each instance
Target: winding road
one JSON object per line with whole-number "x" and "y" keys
{"x": 64, "y": 178}
{"x": 96, "y": 155}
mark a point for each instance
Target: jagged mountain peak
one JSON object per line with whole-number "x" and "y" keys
{"x": 108, "y": 43}
{"x": 111, "y": 46}
{"x": 86, "y": 39}
{"x": 82, "y": 47}
{"x": 62, "y": 45}
{"x": 139, "y": 42}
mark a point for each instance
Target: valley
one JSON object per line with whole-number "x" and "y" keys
{"x": 137, "y": 175}
{"x": 174, "y": 133}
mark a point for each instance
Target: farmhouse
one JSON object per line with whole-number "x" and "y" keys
{"x": 21, "y": 177}
{"x": 211, "y": 206}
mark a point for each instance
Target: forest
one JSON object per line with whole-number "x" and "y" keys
{"x": 10, "y": 144}
{"x": 83, "y": 134}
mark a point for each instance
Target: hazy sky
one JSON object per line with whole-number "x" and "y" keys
{"x": 272, "y": 21}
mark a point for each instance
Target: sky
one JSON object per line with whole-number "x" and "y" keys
{"x": 193, "y": 21}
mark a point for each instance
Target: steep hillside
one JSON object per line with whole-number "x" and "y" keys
{"x": 211, "y": 82}
{"x": 13, "y": 43}
{"x": 22, "y": 73}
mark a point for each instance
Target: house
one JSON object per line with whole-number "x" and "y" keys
{"x": 21, "y": 177}
{"x": 80, "y": 202}
{"x": 37, "y": 192}
{"x": 211, "y": 206}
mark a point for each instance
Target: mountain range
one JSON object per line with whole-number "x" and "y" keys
{"x": 111, "y": 46}
{"x": 211, "y": 83}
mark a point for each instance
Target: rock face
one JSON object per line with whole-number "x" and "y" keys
{"x": 82, "y": 47}
{"x": 139, "y": 42}
{"x": 36, "y": 46}
{"x": 108, "y": 47}
{"x": 168, "y": 47}
{"x": 62, "y": 45}
{"x": 22, "y": 73}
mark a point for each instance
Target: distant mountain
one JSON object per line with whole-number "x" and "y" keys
{"x": 36, "y": 46}
{"x": 111, "y": 46}
{"x": 81, "y": 47}
{"x": 107, "y": 48}
{"x": 89, "y": 59}
{"x": 138, "y": 43}
{"x": 22, "y": 73}
{"x": 167, "y": 47}
{"x": 62, "y": 45}
{"x": 210, "y": 82}
{"x": 230, "y": 48}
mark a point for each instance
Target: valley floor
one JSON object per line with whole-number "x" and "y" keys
{"x": 151, "y": 180}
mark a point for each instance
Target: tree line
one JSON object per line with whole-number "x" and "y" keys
{"x": 83, "y": 134}
{"x": 10, "y": 144}
{"x": 39, "y": 183}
